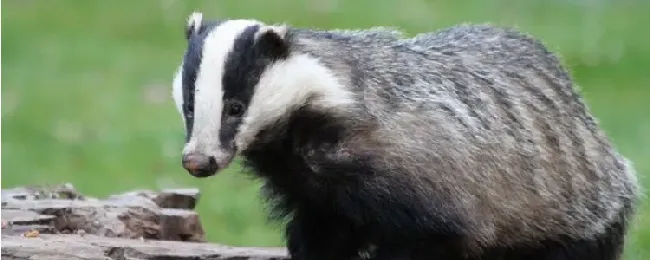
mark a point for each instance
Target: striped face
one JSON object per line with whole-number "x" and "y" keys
{"x": 237, "y": 78}
{"x": 214, "y": 86}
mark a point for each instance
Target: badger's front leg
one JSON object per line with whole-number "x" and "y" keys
{"x": 315, "y": 237}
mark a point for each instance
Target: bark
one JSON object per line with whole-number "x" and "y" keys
{"x": 57, "y": 222}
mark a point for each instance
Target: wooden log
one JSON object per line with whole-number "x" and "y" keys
{"x": 57, "y": 222}
{"x": 135, "y": 214}
{"x": 84, "y": 247}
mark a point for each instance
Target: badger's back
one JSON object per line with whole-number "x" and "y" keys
{"x": 488, "y": 121}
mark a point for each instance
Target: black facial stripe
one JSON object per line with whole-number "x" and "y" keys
{"x": 191, "y": 63}
{"x": 242, "y": 71}
{"x": 242, "y": 68}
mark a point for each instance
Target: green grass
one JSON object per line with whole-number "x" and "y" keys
{"x": 86, "y": 88}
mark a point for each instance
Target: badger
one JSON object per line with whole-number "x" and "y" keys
{"x": 468, "y": 142}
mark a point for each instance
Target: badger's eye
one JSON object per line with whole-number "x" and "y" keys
{"x": 235, "y": 109}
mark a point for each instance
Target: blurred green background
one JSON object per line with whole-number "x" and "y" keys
{"x": 86, "y": 88}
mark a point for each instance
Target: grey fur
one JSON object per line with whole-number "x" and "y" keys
{"x": 482, "y": 118}
{"x": 486, "y": 118}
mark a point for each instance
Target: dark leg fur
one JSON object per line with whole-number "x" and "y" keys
{"x": 437, "y": 247}
{"x": 314, "y": 237}
{"x": 320, "y": 238}
{"x": 608, "y": 246}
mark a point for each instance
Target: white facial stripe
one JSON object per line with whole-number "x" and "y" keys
{"x": 177, "y": 90}
{"x": 287, "y": 84}
{"x": 208, "y": 102}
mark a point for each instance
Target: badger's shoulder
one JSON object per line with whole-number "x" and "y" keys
{"x": 374, "y": 36}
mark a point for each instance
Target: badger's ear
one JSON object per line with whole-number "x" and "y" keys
{"x": 194, "y": 23}
{"x": 272, "y": 41}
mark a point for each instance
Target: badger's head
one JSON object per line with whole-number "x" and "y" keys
{"x": 237, "y": 78}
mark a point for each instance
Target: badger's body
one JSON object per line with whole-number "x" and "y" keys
{"x": 466, "y": 143}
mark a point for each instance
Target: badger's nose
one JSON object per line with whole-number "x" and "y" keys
{"x": 199, "y": 165}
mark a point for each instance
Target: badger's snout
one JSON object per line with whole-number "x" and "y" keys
{"x": 200, "y": 165}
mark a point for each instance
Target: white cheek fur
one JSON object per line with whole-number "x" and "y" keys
{"x": 286, "y": 85}
{"x": 177, "y": 90}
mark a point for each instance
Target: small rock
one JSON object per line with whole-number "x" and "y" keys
{"x": 181, "y": 225}
{"x": 32, "y": 233}
{"x": 177, "y": 198}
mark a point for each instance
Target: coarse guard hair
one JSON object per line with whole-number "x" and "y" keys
{"x": 465, "y": 143}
